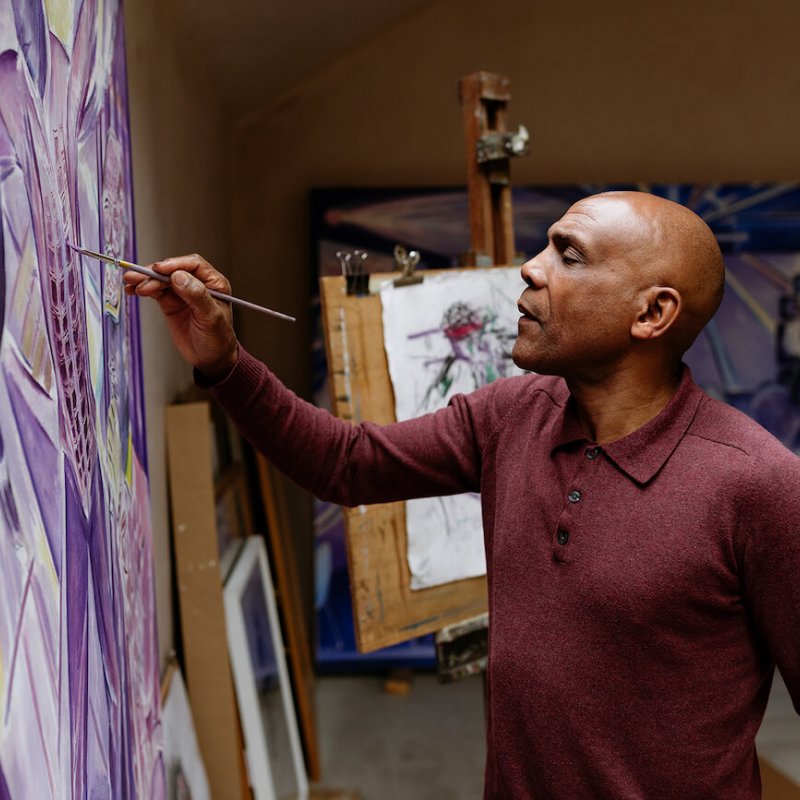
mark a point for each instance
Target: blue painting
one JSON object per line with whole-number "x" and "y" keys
{"x": 748, "y": 356}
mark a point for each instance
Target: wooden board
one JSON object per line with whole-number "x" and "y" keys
{"x": 386, "y": 610}
{"x": 776, "y": 786}
{"x": 203, "y": 629}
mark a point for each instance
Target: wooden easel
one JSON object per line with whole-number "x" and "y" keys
{"x": 490, "y": 147}
{"x": 462, "y": 647}
{"x": 386, "y": 610}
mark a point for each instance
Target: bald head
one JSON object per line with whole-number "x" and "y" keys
{"x": 670, "y": 246}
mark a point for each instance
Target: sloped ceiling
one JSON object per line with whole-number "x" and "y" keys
{"x": 254, "y": 50}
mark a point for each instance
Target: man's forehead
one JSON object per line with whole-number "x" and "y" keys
{"x": 593, "y": 216}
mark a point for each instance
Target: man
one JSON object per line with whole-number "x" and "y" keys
{"x": 641, "y": 538}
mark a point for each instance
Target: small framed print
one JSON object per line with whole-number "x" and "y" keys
{"x": 263, "y": 692}
{"x": 183, "y": 762}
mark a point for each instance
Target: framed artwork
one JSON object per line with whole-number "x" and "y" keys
{"x": 183, "y": 763}
{"x": 263, "y": 691}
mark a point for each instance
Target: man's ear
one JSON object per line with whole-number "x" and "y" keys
{"x": 660, "y": 308}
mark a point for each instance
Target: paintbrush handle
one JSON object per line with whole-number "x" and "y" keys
{"x": 236, "y": 301}
{"x": 118, "y": 262}
{"x": 226, "y": 298}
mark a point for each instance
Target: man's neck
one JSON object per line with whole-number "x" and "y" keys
{"x": 622, "y": 402}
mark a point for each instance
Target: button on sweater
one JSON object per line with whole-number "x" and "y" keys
{"x": 640, "y": 592}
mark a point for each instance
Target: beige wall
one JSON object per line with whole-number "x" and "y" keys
{"x": 687, "y": 90}
{"x": 624, "y": 90}
{"x": 180, "y": 206}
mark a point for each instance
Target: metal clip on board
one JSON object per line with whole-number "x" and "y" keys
{"x": 356, "y": 278}
{"x": 406, "y": 262}
{"x": 462, "y": 649}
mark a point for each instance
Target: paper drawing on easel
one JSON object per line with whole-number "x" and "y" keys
{"x": 79, "y": 686}
{"x": 449, "y": 335}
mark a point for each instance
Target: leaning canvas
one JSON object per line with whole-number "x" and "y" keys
{"x": 79, "y": 689}
{"x": 273, "y": 751}
{"x": 183, "y": 762}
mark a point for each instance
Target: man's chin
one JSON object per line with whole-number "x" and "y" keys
{"x": 530, "y": 362}
{"x": 524, "y": 360}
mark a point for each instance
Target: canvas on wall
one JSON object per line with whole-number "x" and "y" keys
{"x": 79, "y": 688}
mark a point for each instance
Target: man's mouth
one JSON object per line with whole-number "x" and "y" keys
{"x": 527, "y": 314}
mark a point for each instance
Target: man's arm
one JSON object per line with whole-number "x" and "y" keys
{"x": 771, "y": 568}
{"x": 349, "y": 464}
{"x": 435, "y": 455}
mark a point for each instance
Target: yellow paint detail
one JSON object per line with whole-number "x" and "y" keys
{"x": 129, "y": 460}
{"x": 60, "y": 14}
{"x": 45, "y": 558}
{"x": 48, "y": 376}
{"x": 37, "y": 360}
{"x": 27, "y": 264}
{"x": 28, "y": 343}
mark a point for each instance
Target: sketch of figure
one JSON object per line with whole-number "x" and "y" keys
{"x": 481, "y": 350}
{"x": 449, "y": 334}
{"x": 79, "y": 690}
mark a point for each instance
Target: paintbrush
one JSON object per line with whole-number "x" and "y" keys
{"x": 226, "y": 298}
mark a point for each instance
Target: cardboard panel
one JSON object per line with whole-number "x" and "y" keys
{"x": 205, "y": 643}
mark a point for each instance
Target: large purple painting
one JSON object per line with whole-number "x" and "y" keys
{"x": 79, "y": 690}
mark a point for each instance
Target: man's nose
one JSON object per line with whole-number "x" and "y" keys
{"x": 533, "y": 273}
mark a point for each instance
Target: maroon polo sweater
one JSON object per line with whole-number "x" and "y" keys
{"x": 640, "y": 593}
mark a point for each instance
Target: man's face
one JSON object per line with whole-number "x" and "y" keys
{"x": 578, "y": 306}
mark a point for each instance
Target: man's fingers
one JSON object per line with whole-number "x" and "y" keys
{"x": 194, "y": 293}
{"x": 150, "y": 287}
{"x": 190, "y": 276}
{"x": 198, "y": 267}
{"x": 133, "y": 279}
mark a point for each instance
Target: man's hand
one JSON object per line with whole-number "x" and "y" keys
{"x": 200, "y": 326}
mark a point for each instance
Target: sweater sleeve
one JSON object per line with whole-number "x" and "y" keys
{"x": 434, "y": 455}
{"x": 771, "y": 564}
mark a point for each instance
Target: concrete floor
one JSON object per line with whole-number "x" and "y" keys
{"x": 428, "y": 744}
{"x": 778, "y": 740}
{"x": 424, "y": 745}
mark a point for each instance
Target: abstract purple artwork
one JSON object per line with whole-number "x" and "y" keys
{"x": 79, "y": 688}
